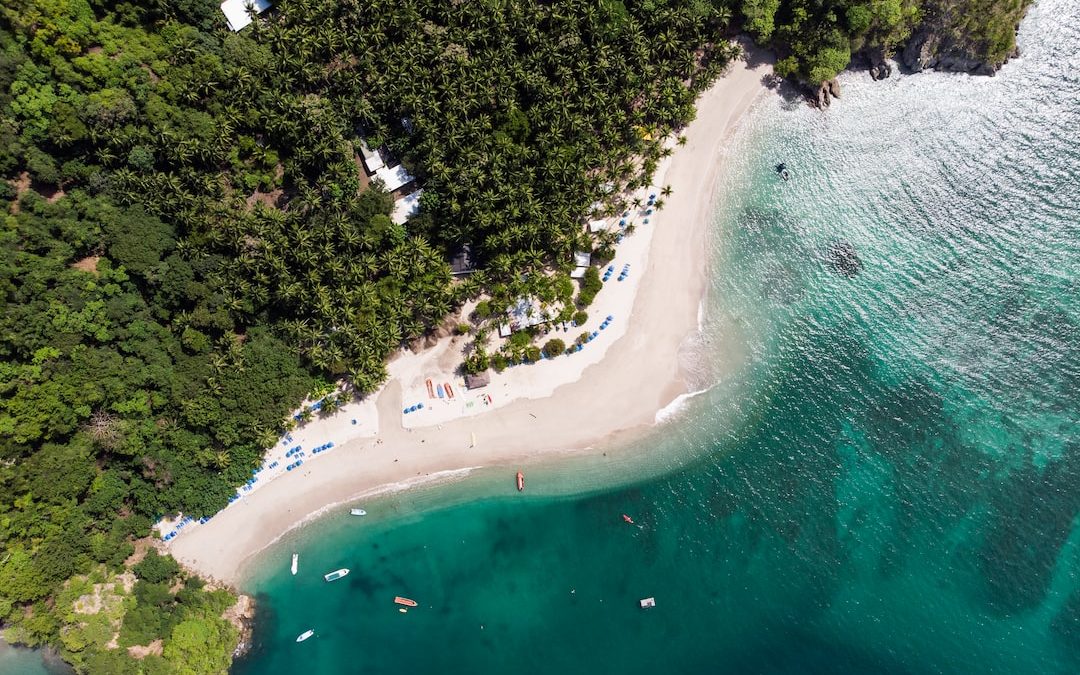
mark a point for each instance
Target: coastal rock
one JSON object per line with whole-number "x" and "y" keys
{"x": 881, "y": 72}
{"x": 880, "y": 67}
{"x": 242, "y": 616}
{"x": 927, "y": 50}
{"x": 827, "y": 92}
{"x": 842, "y": 259}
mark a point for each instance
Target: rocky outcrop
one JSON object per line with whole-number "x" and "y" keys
{"x": 967, "y": 36}
{"x": 827, "y": 92}
{"x": 879, "y": 66}
{"x": 928, "y": 50}
{"x": 242, "y": 616}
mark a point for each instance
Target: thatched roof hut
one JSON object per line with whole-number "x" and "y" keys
{"x": 477, "y": 381}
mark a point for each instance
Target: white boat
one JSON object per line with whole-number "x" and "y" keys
{"x": 295, "y": 560}
{"x": 336, "y": 574}
{"x": 305, "y": 635}
{"x": 358, "y": 512}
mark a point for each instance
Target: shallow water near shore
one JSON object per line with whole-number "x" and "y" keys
{"x": 890, "y": 482}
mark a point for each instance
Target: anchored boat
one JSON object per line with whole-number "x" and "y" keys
{"x": 358, "y": 512}
{"x": 305, "y": 635}
{"x": 405, "y": 601}
{"x": 336, "y": 574}
{"x": 520, "y": 481}
{"x": 295, "y": 560}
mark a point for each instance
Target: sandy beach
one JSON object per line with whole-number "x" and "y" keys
{"x": 612, "y": 394}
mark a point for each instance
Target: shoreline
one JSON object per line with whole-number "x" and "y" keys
{"x": 612, "y": 400}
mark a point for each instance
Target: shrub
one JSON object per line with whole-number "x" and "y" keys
{"x": 519, "y": 340}
{"x": 583, "y": 338}
{"x": 462, "y": 329}
{"x": 532, "y": 352}
{"x": 499, "y": 363}
{"x": 156, "y": 568}
{"x": 590, "y": 286}
{"x": 554, "y": 347}
{"x": 483, "y": 310}
{"x": 477, "y": 362}
{"x": 580, "y": 317}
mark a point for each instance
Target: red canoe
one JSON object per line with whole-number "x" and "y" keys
{"x": 520, "y": 481}
{"x": 628, "y": 519}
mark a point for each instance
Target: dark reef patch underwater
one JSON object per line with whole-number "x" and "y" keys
{"x": 890, "y": 483}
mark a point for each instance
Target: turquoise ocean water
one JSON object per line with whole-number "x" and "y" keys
{"x": 887, "y": 482}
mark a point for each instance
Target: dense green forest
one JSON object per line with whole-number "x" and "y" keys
{"x": 187, "y": 250}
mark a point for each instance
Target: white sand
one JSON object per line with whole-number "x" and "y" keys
{"x": 611, "y": 390}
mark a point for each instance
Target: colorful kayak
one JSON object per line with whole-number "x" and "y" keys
{"x": 336, "y": 574}
{"x": 628, "y": 519}
{"x": 520, "y": 481}
{"x": 405, "y": 601}
{"x": 305, "y": 635}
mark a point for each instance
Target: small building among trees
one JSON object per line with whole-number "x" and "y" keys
{"x": 237, "y": 14}
{"x": 477, "y": 380}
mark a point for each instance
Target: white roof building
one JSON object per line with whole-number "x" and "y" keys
{"x": 582, "y": 260}
{"x": 394, "y": 177}
{"x": 372, "y": 160}
{"x": 406, "y": 207}
{"x": 524, "y": 313}
{"x": 236, "y": 11}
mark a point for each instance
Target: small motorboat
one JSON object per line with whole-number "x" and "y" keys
{"x": 781, "y": 169}
{"x": 295, "y": 560}
{"x": 358, "y": 512}
{"x": 405, "y": 601}
{"x": 336, "y": 574}
{"x": 305, "y": 635}
{"x": 628, "y": 519}
{"x": 647, "y": 603}
{"x": 520, "y": 481}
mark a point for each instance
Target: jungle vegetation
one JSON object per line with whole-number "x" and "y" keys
{"x": 189, "y": 248}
